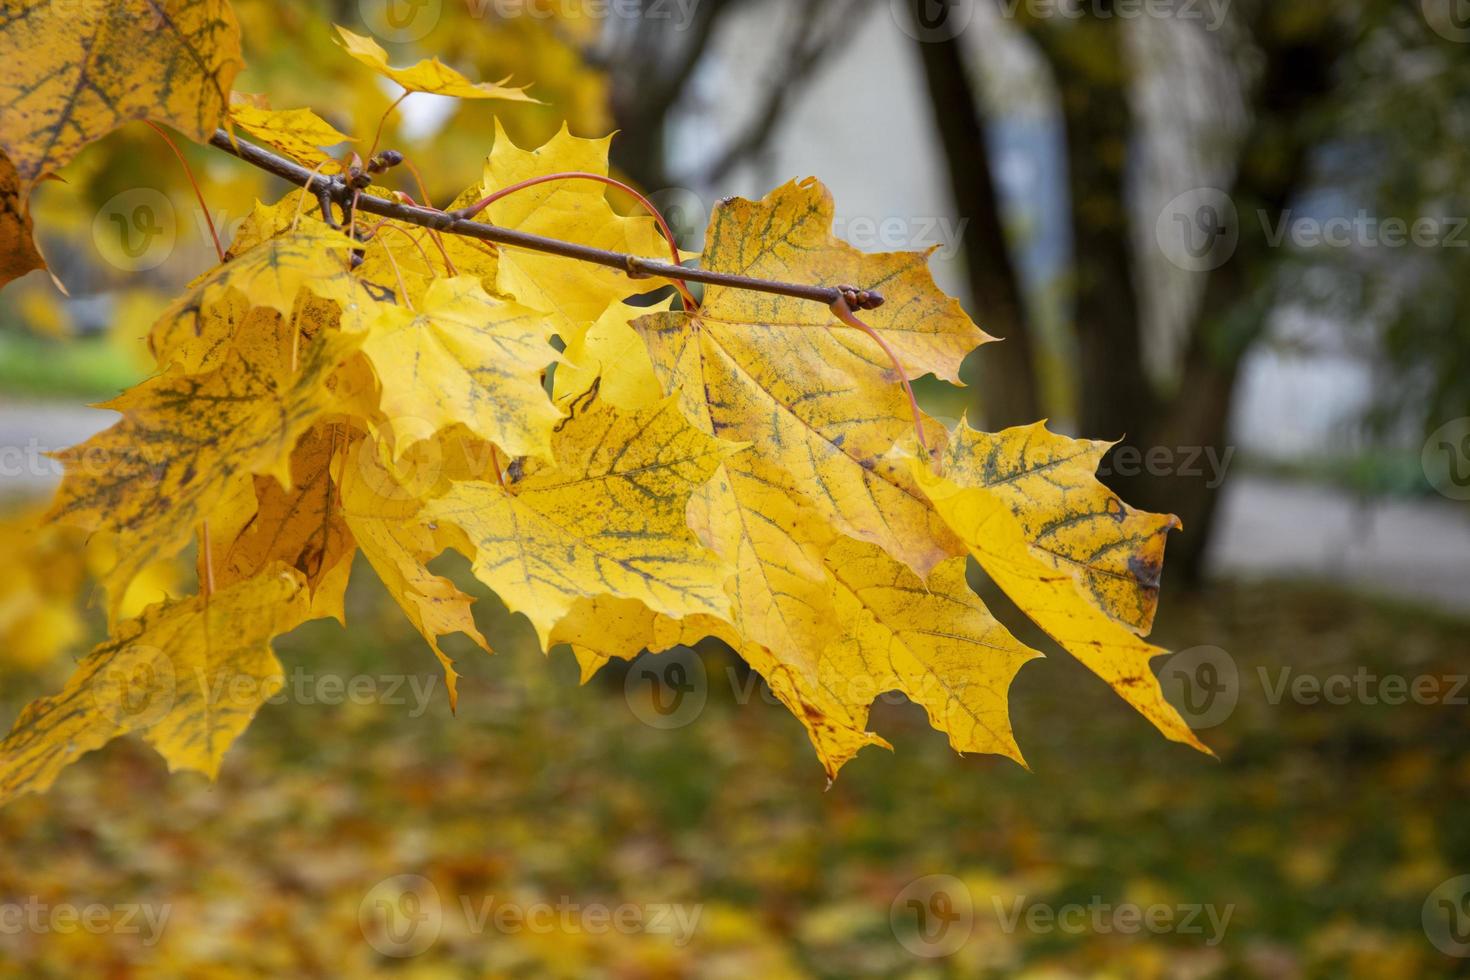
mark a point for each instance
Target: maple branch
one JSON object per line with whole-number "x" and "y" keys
{"x": 690, "y": 303}
{"x": 338, "y": 191}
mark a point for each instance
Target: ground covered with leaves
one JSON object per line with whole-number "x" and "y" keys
{"x": 1322, "y": 829}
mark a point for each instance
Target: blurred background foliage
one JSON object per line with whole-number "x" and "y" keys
{"x": 1055, "y": 145}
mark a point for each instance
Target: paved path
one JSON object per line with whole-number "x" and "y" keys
{"x": 1412, "y": 549}
{"x": 28, "y": 430}
{"x": 1415, "y": 549}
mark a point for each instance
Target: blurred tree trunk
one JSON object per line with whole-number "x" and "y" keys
{"x": 650, "y": 65}
{"x": 1093, "y": 76}
{"x": 1007, "y": 371}
{"x": 653, "y": 60}
{"x": 1288, "y": 116}
{"x": 1117, "y": 398}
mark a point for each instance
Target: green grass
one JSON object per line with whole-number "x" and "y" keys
{"x": 1373, "y": 473}
{"x": 82, "y": 369}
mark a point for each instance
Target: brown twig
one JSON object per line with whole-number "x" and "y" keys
{"x": 340, "y": 192}
{"x": 219, "y": 248}
{"x": 842, "y": 310}
{"x": 378, "y": 136}
{"x": 206, "y": 549}
{"x": 690, "y": 303}
{"x": 428, "y": 203}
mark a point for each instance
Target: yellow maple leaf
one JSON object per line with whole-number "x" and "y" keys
{"x": 839, "y": 618}
{"x": 819, "y": 419}
{"x": 197, "y": 330}
{"x": 936, "y": 642}
{"x": 298, "y": 133}
{"x": 606, "y": 518}
{"x": 43, "y": 577}
{"x": 155, "y": 582}
{"x": 604, "y": 628}
{"x": 821, "y": 408}
{"x": 815, "y": 399}
{"x": 788, "y": 236}
{"x": 399, "y": 258}
{"x": 1074, "y": 522}
{"x": 187, "y": 442}
{"x": 404, "y": 259}
{"x": 18, "y": 253}
{"x": 574, "y": 293}
{"x": 189, "y": 675}
{"x": 752, "y": 515}
{"x": 430, "y": 75}
{"x": 465, "y": 357}
{"x": 383, "y": 515}
{"x": 611, "y": 350}
{"x": 74, "y": 72}
{"x": 1058, "y": 599}
{"x": 301, "y": 527}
